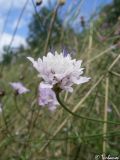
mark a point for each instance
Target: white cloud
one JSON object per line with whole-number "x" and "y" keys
{"x": 6, "y": 39}
{"x": 15, "y": 6}
{"x": 1, "y": 24}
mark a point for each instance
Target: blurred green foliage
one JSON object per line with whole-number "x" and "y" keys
{"x": 29, "y": 132}
{"x": 112, "y": 12}
{"x": 39, "y": 28}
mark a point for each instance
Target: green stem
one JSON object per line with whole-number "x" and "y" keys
{"x": 50, "y": 29}
{"x": 18, "y": 110}
{"x": 88, "y": 137}
{"x": 83, "y": 117}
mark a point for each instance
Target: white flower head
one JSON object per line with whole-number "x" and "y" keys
{"x": 46, "y": 96}
{"x": 19, "y": 87}
{"x": 60, "y": 70}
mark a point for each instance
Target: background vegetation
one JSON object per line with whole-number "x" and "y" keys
{"x": 30, "y": 132}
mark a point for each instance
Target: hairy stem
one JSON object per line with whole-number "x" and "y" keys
{"x": 83, "y": 117}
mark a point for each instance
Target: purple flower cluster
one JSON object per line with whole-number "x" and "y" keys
{"x": 58, "y": 72}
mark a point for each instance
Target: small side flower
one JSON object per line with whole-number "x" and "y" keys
{"x": 19, "y": 87}
{"x": 46, "y": 96}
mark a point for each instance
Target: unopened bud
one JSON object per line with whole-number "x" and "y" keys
{"x": 82, "y": 21}
{"x": 62, "y": 2}
{"x": 38, "y": 2}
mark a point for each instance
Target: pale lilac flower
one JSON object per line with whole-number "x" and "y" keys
{"x": 60, "y": 70}
{"x": 46, "y": 96}
{"x": 19, "y": 87}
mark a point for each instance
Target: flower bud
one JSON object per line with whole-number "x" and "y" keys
{"x": 38, "y": 2}
{"x": 62, "y": 2}
{"x": 82, "y": 21}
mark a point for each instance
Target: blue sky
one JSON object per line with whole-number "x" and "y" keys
{"x": 11, "y": 10}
